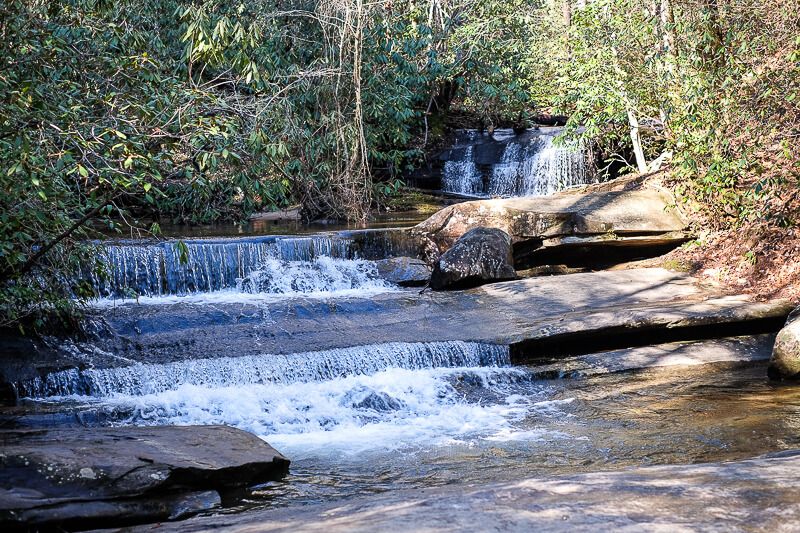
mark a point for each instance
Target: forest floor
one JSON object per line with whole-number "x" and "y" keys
{"x": 754, "y": 258}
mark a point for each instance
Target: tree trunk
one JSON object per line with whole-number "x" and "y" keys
{"x": 668, "y": 28}
{"x": 636, "y": 139}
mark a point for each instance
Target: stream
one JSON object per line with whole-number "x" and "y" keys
{"x": 381, "y": 417}
{"x": 450, "y": 414}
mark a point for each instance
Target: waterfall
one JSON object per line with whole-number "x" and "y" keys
{"x": 462, "y": 176}
{"x": 504, "y": 164}
{"x": 142, "y": 379}
{"x": 320, "y": 275}
{"x": 274, "y": 264}
{"x": 343, "y": 401}
{"x": 545, "y": 168}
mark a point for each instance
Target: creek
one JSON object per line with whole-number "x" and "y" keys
{"x": 375, "y": 418}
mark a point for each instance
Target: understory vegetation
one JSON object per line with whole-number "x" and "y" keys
{"x": 123, "y": 114}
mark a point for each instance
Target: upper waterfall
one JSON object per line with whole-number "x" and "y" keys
{"x": 507, "y": 164}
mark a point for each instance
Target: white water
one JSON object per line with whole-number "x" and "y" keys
{"x": 274, "y": 279}
{"x": 321, "y": 275}
{"x": 140, "y": 379}
{"x": 532, "y": 166}
{"x": 396, "y": 408}
{"x": 380, "y": 397}
{"x": 165, "y": 269}
{"x": 462, "y": 176}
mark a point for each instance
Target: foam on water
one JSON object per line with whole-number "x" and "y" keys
{"x": 275, "y": 279}
{"x": 380, "y": 397}
{"x": 318, "y": 276}
{"x": 173, "y": 269}
{"x": 396, "y": 408}
{"x": 314, "y": 366}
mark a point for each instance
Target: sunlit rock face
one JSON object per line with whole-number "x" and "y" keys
{"x": 785, "y": 362}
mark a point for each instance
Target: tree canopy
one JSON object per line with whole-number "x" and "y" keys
{"x": 129, "y": 112}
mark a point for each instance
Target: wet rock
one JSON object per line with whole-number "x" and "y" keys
{"x": 759, "y": 494}
{"x": 97, "y": 477}
{"x": 381, "y": 402}
{"x": 785, "y": 361}
{"x": 575, "y": 309}
{"x": 480, "y": 256}
{"x": 404, "y": 271}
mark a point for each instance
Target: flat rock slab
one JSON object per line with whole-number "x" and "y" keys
{"x": 761, "y": 494}
{"x": 638, "y": 212}
{"x": 529, "y": 313}
{"x": 117, "y": 475}
{"x": 749, "y": 349}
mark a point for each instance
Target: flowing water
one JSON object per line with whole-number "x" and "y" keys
{"x": 404, "y": 415}
{"x": 376, "y": 418}
{"x": 334, "y": 263}
{"x": 505, "y": 164}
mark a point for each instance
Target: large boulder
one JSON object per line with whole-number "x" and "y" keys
{"x": 79, "y": 478}
{"x": 531, "y": 220}
{"x": 404, "y": 271}
{"x": 482, "y": 255}
{"x": 785, "y": 361}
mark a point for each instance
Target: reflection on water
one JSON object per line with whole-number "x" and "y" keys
{"x": 687, "y": 415}
{"x": 257, "y": 227}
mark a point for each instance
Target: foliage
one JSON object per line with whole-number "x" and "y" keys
{"x": 714, "y": 83}
{"x": 117, "y": 113}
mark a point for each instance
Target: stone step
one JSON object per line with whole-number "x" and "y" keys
{"x": 92, "y": 477}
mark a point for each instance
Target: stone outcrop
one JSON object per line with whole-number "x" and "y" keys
{"x": 576, "y": 310}
{"x": 404, "y": 271}
{"x": 636, "y": 218}
{"x": 785, "y": 361}
{"x": 80, "y": 478}
{"x": 481, "y": 255}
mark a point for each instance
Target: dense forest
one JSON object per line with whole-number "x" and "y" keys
{"x": 128, "y": 113}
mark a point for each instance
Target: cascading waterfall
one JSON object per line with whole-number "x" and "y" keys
{"x": 274, "y": 265}
{"x": 380, "y": 396}
{"x": 504, "y": 164}
{"x": 462, "y": 176}
{"x": 546, "y": 169}
{"x": 319, "y": 276}
{"x": 140, "y": 379}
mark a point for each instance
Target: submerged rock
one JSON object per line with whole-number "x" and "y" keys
{"x": 79, "y": 478}
{"x": 758, "y": 494}
{"x": 785, "y": 361}
{"x": 482, "y": 255}
{"x": 366, "y": 398}
{"x": 404, "y": 271}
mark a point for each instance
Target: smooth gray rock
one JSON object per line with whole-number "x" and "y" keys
{"x": 760, "y": 494}
{"x": 622, "y": 214}
{"x": 748, "y": 349}
{"x": 480, "y": 256}
{"x": 81, "y": 477}
{"x": 785, "y": 361}
{"x": 574, "y": 307}
{"x": 404, "y": 271}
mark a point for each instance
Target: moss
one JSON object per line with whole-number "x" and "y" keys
{"x": 408, "y": 200}
{"x": 677, "y": 265}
